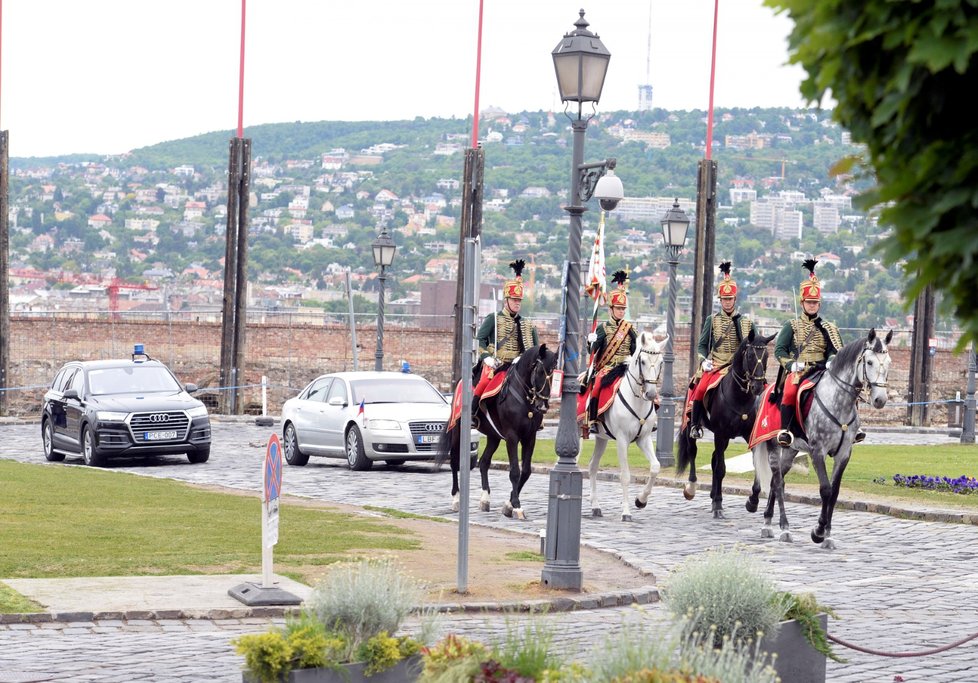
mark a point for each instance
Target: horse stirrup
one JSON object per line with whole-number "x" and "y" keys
{"x": 696, "y": 432}
{"x": 785, "y": 438}
{"x": 859, "y": 437}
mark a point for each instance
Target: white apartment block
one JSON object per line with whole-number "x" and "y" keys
{"x": 652, "y": 209}
{"x": 783, "y": 222}
{"x": 826, "y": 217}
{"x": 739, "y": 195}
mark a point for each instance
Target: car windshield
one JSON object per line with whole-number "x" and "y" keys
{"x": 137, "y": 378}
{"x": 385, "y": 391}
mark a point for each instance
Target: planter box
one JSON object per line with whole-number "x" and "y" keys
{"x": 798, "y": 661}
{"x": 405, "y": 671}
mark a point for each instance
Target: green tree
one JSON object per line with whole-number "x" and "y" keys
{"x": 903, "y": 74}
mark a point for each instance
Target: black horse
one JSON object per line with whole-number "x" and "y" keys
{"x": 514, "y": 415}
{"x": 730, "y": 414}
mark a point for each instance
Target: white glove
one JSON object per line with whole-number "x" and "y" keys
{"x": 707, "y": 365}
{"x": 593, "y": 337}
{"x": 828, "y": 365}
{"x": 490, "y": 362}
{"x": 797, "y": 367}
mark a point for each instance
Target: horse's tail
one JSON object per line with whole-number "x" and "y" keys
{"x": 687, "y": 452}
{"x": 762, "y": 466}
{"x": 448, "y": 447}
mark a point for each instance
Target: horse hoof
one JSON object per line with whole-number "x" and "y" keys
{"x": 639, "y": 504}
{"x": 785, "y": 537}
{"x": 508, "y": 509}
{"x": 484, "y": 505}
{"x": 816, "y": 537}
{"x": 596, "y": 512}
{"x": 828, "y": 544}
{"x": 767, "y": 532}
{"x": 751, "y": 505}
{"x": 455, "y": 506}
{"x": 689, "y": 491}
{"x": 519, "y": 514}
{"x": 718, "y": 514}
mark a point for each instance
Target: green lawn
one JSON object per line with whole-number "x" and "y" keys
{"x": 74, "y": 521}
{"x": 867, "y": 464}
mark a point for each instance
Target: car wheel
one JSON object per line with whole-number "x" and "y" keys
{"x": 47, "y": 438}
{"x": 293, "y": 454}
{"x": 355, "y": 456}
{"x": 90, "y": 454}
{"x": 199, "y": 456}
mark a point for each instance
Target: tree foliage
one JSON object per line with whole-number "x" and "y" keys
{"x": 903, "y": 74}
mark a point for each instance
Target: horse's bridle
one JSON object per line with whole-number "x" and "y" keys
{"x": 640, "y": 380}
{"x": 538, "y": 399}
{"x": 754, "y": 375}
{"x": 856, "y": 389}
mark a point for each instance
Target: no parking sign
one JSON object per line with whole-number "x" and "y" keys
{"x": 272, "y": 486}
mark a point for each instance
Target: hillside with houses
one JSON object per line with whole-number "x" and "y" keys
{"x": 145, "y": 231}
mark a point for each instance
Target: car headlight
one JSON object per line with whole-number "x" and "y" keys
{"x": 390, "y": 425}
{"x": 199, "y": 411}
{"x": 110, "y": 416}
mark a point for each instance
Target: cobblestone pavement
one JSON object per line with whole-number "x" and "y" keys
{"x": 898, "y": 585}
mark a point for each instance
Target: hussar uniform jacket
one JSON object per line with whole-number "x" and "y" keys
{"x": 721, "y": 335}
{"x": 505, "y": 336}
{"x": 811, "y": 341}
{"x": 624, "y": 345}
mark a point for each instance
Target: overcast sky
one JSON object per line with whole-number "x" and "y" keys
{"x": 107, "y": 76}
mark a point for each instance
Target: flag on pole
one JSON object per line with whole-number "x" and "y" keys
{"x": 360, "y": 411}
{"x": 596, "y": 282}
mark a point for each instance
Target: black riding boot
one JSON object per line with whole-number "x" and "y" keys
{"x": 787, "y": 418}
{"x": 696, "y": 420}
{"x": 475, "y": 411}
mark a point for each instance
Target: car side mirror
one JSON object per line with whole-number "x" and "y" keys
{"x": 71, "y": 393}
{"x": 190, "y": 387}
{"x": 337, "y": 401}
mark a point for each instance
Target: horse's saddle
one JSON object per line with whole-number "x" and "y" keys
{"x": 494, "y": 387}
{"x": 606, "y": 396}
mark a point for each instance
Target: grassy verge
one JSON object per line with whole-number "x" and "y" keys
{"x": 867, "y": 464}
{"x": 75, "y": 521}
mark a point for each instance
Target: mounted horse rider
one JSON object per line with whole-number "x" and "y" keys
{"x": 502, "y": 337}
{"x": 611, "y": 346}
{"x": 719, "y": 338}
{"x": 804, "y": 346}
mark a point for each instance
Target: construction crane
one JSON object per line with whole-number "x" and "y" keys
{"x": 112, "y": 288}
{"x": 781, "y": 160}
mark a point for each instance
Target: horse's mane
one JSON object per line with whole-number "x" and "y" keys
{"x": 849, "y": 354}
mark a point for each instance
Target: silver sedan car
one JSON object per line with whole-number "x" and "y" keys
{"x": 364, "y": 417}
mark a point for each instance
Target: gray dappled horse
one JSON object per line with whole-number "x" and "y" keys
{"x": 733, "y": 409}
{"x": 514, "y": 415}
{"x": 631, "y": 419}
{"x": 830, "y": 426}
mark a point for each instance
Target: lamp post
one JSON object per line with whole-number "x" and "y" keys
{"x": 968, "y": 424}
{"x": 384, "y": 249}
{"x": 581, "y": 62}
{"x": 675, "y": 224}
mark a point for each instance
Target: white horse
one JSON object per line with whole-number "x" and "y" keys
{"x": 830, "y": 427}
{"x": 631, "y": 418}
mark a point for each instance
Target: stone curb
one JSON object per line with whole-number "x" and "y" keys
{"x": 946, "y": 516}
{"x": 644, "y": 595}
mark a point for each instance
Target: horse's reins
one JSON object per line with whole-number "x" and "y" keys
{"x": 641, "y": 385}
{"x": 854, "y": 390}
{"x": 530, "y": 393}
{"x": 744, "y": 383}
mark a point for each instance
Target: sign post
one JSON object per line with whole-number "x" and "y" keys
{"x": 267, "y": 594}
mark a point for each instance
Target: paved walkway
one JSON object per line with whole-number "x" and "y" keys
{"x": 898, "y": 585}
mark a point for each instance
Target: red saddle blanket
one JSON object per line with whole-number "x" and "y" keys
{"x": 768, "y": 422}
{"x": 495, "y": 385}
{"x": 714, "y": 379}
{"x": 606, "y": 396}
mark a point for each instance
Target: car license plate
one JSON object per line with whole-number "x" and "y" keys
{"x": 159, "y": 436}
{"x": 429, "y": 438}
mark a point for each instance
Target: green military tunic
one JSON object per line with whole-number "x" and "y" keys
{"x": 505, "y": 336}
{"x": 721, "y": 335}
{"x": 605, "y": 332}
{"x": 807, "y": 340}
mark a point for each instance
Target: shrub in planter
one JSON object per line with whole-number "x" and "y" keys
{"x": 725, "y": 594}
{"x": 348, "y": 618}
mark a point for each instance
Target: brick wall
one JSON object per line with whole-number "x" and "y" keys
{"x": 290, "y": 354}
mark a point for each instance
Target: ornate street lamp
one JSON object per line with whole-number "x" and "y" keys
{"x": 580, "y": 61}
{"x": 384, "y": 249}
{"x": 675, "y": 225}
